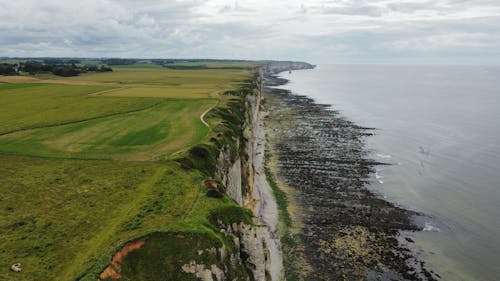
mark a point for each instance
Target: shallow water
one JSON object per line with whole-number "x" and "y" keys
{"x": 439, "y": 127}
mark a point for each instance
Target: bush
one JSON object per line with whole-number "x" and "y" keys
{"x": 57, "y": 67}
{"x": 7, "y": 69}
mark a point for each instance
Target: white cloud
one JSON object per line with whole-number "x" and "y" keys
{"x": 318, "y": 31}
{"x": 450, "y": 41}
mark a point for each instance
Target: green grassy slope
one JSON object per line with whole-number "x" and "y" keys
{"x": 63, "y": 219}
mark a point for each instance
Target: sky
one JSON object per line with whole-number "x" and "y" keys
{"x": 329, "y": 31}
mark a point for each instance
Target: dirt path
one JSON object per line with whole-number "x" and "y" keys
{"x": 202, "y": 116}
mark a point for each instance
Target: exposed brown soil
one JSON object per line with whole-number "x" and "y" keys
{"x": 32, "y": 79}
{"x": 114, "y": 268}
{"x": 210, "y": 183}
{"x": 18, "y": 79}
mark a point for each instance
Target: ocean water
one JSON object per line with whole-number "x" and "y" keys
{"x": 439, "y": 127}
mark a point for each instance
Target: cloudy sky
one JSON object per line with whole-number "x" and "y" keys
{"x": 329, "y": 31}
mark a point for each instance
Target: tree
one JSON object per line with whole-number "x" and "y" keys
{"x": 8, "y": 69}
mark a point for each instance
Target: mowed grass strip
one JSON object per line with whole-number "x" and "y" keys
{"x": 150, "y": 134}
{"x": 26, "y": 106}
{"x": 170, "y": 92}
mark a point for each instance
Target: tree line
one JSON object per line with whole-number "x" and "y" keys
{"x": 56, "y": 67}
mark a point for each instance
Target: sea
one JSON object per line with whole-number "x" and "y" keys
{"x": 438, "y": 126}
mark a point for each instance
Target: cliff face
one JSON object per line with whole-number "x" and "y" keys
{"x": 280, "y": 66}
{"x": 237, "y": 173}
{"x": 235, "y": 168}
{"x": 244, "y": 178}
{"x": 228, "y": 173}
{"x": 238, "y": 176}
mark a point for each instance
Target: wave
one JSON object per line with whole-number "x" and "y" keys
{"x": 383, "y": 156}
{"x": 431, "y": 228}
{"x": 378, "y": 177}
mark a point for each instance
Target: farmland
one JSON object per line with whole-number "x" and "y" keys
{"x": 147, "y": 134}
{"x": 115, "y": 116}
{"x": 89, "y": 163}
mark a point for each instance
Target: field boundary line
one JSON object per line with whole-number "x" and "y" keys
{"x": 100, "y": 93}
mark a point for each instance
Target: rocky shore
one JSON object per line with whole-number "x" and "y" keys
{"x": 346, "y": 231}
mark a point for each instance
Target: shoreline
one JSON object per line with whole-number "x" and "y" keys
{"x": 347, "y": 230}
{"x": 290, "y": 223}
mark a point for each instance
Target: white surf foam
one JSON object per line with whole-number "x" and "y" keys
{"x": 431, "y": 228}
{"x": 378, "y": 177}
{"x": 383, "y": 156}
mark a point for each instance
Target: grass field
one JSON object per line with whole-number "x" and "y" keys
{"x": 210, "y": 79}
{"x": 86, "y": 168}
{"x": 149, "y": 134}
{"x": 139, "y": 66}
{"x": 174, "y": 91}
{"x": 65, "y": 218}
{"x": 26, "y": 106}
